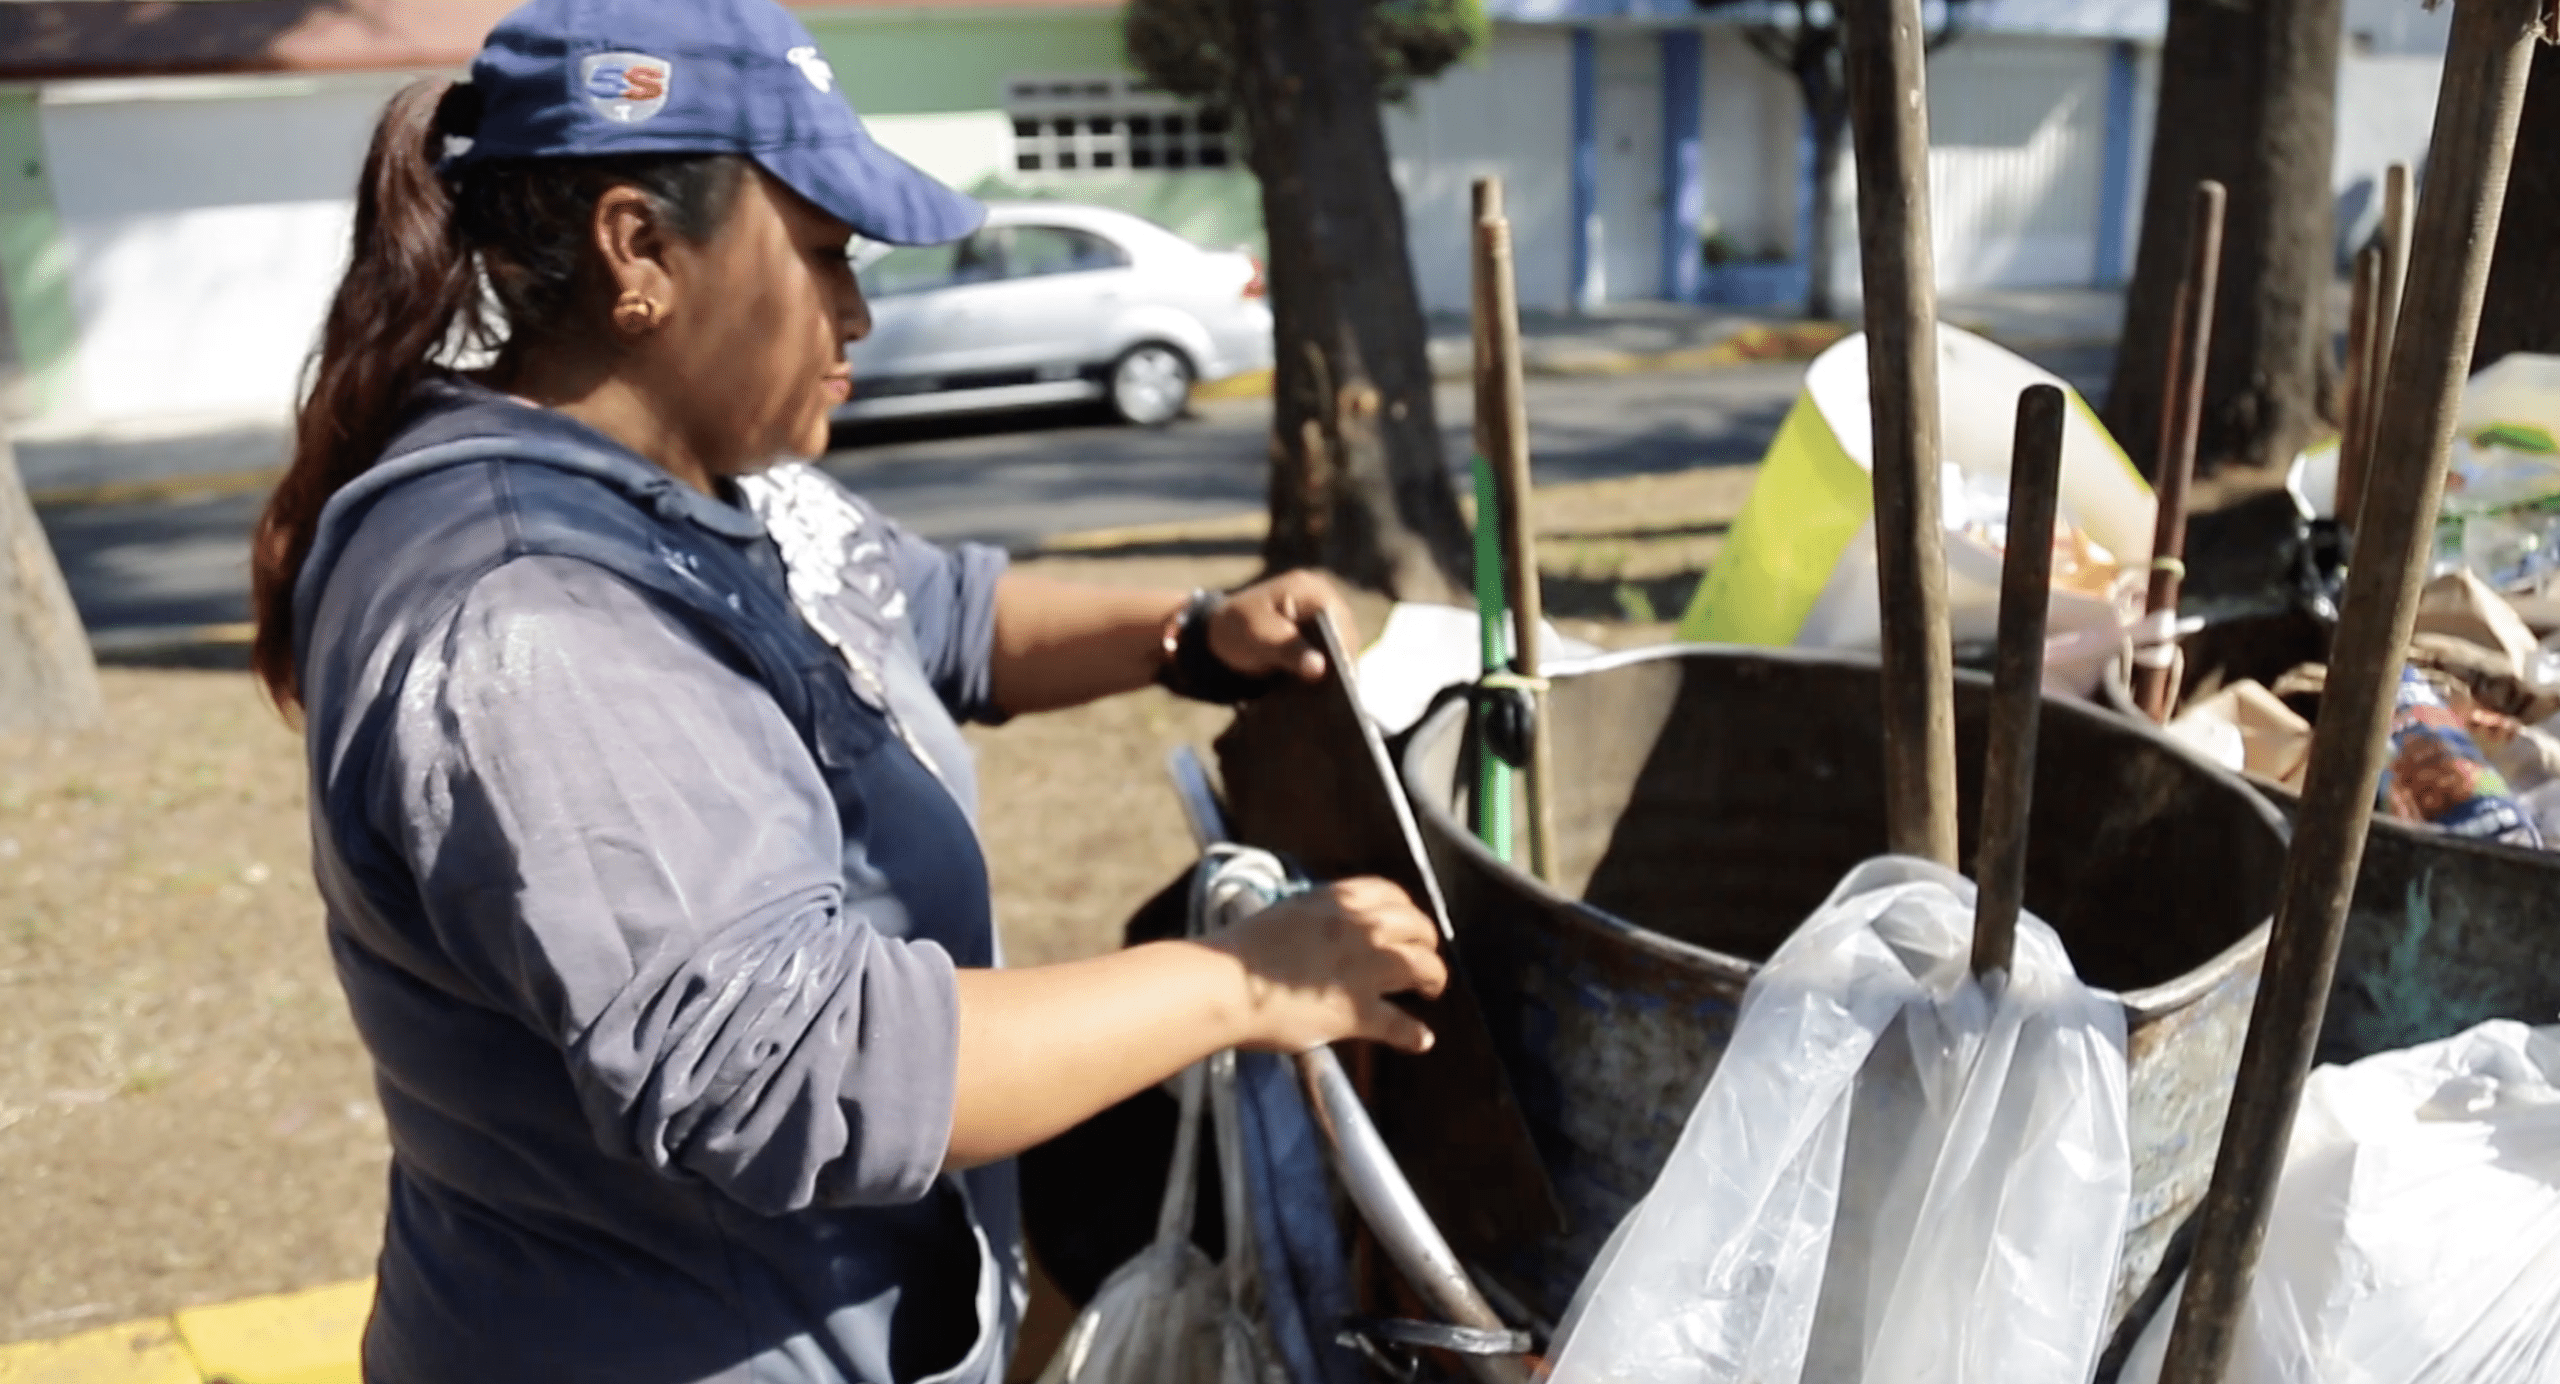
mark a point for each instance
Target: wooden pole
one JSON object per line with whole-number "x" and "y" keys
{"x": 2379, "y": 315}
{"x": 2155, "y": 655}
{"x": 1488, "y": 366}
{"x": 2395, "y": 276}
{"x": 2363, "y": 383}
{"x": 2485, "y": 64}
{"x": 2017, "y": 679}
{"x": 1502, "y": 410}
{"x": 1889, "y": 124}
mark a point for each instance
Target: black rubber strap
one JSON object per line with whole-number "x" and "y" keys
{"x": 1193, "y": 670}
{"x": 1504, "y": 713}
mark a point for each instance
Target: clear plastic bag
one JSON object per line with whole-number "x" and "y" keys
{"x": 2415, "y": 1236}
{"x": 1895, "y": 1173}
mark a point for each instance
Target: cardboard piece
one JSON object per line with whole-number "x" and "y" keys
{"x": 1307, "y": 776}
{"x": 2462, "y": 606}
{"x": 2468, "y": 632}
{"x": 2246, "y": 728}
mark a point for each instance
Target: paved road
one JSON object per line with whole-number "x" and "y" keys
{"x": 1014, "y": 480}
{"x": 179, "y": 563}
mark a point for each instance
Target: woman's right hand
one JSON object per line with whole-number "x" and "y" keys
{"x": 1320, "y": 965}
{"x": 1045, "y": 1046}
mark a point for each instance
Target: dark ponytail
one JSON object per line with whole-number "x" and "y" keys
{"x": 409, "y": 287}
{"x": 431, "y": 257}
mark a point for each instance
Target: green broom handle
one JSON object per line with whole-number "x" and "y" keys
{"x": 1493, "y": 625}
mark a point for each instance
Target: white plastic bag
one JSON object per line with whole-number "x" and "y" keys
{"x": 1163, "y": 1317}
{"x": 1171, "y": 1316}
{"x": 1893, "y": 1175}
{"x": 2415, "y": 1236}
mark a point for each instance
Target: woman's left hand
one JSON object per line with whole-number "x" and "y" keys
{"x": 1256, "y": 632}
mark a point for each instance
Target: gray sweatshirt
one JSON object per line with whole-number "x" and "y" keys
{"x": 648, "y": 858}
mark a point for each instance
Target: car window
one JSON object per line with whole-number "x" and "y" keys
{"x": 1036, "y": 250}
{"x": 920, "y": 268}
{"x": 909, "y": 269}
{"x": 981, "y": 257}
{"x": 997, "y": 252}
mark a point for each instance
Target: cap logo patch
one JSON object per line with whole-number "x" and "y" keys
{"x": 813, "y": 67}
{"x": 625, "y": 87}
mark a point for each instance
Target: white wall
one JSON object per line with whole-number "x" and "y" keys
{"x": 2017, "y": 135}
{"x": 2387, "y": 80}
{"x": 962, "y": 148}
{"x": 2386, "y": 113}
{"x": 1509, "y": 112}
{"x": 1626, "y": 235}
{"x": 2146, "y": 117}
{"x": 2017, "y": 131}
{"x": 206, "y": 224}
{"x": 1752, "y": 128}
{"x": 2396, "y": 27}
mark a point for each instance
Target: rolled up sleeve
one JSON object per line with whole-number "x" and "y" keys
{"x": 622, "y": 839}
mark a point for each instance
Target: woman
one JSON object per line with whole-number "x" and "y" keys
{"x": 643, "y": 821}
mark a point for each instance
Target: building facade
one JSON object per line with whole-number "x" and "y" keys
{"x": 176, "y": 180}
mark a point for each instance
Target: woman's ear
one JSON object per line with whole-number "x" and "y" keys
{"x": 633, "y": 242}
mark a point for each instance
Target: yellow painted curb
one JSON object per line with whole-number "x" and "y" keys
{"x": 1751, "y": 345}
{"x": 1242, "y": 525}
{"x": 139, "y": 639}
{"x": 163, "y": 490}
{"x": 143, "y": 1352}
{"x": 311, "y": 1337}
{"x": 1785, "y": 341}
{"x": 1252, "y": 384}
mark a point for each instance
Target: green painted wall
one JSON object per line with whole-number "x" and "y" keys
{"x": 958, "y": 61}
{"x": 34, "y": 265}
{"x": 906, "y": 64}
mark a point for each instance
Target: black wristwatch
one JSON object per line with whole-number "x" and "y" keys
{"x": 1193, "y": 670}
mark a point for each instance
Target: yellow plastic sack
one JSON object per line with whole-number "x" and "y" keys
{"x": 1799, "y": 565}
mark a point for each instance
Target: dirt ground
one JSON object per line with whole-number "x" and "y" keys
{"x": 185, "y": 1114}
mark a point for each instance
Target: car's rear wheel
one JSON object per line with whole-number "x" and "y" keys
{"x": 1150, "y": 384}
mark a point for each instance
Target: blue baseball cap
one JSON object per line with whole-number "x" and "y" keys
{"x": 581, "y": 78}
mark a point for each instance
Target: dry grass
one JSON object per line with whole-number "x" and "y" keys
{"x": 185, "y": 1115}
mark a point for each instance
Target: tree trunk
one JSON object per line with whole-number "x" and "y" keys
{"x": 1358, "y": 484}
{"x": 1826, "y": 102}
{"x": 48, "y": 681}
{"x": 2523, "y": 308}
{"x": 2248, "y": 95}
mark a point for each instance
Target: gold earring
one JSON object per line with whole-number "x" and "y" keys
{"x": 635, "y": 315}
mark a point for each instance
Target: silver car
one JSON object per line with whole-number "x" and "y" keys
{"x": 1052, "y": 303}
